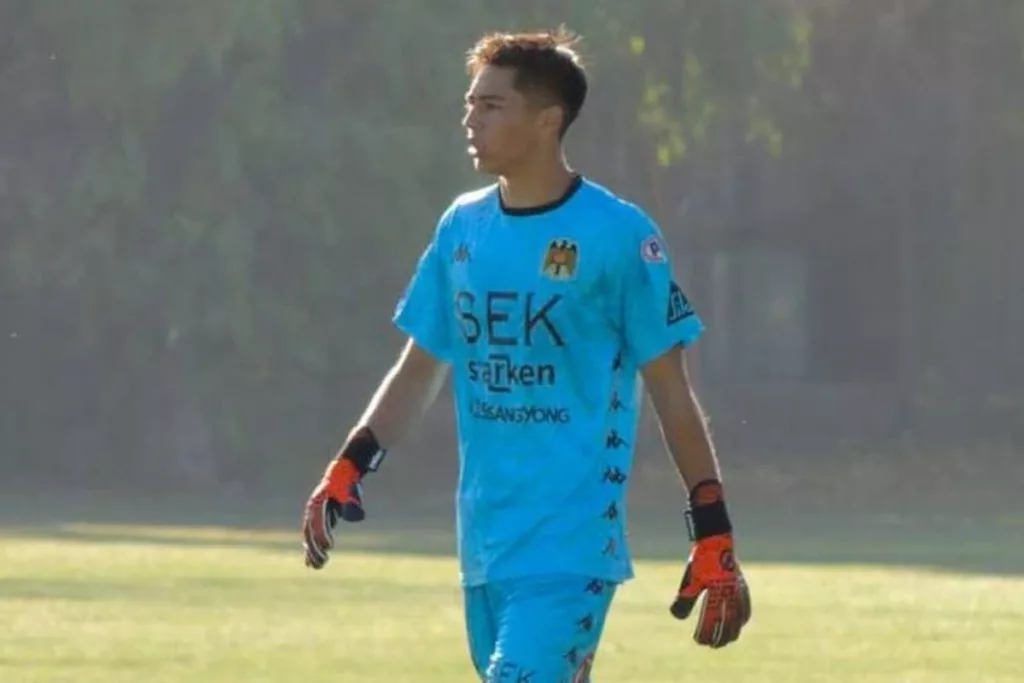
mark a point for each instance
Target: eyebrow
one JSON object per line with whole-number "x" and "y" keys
{"x": 470, "y": 97}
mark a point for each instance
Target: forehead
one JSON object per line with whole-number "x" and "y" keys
{"x": 493, "y": 80}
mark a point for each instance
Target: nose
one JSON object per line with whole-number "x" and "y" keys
{"x": 469, "y": 120}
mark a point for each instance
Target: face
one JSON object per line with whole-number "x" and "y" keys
{"x": 505, "y": 129}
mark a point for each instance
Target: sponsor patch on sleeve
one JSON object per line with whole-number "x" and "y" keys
{"x": 653, "y": 251}
{"x": 679, "y": 307}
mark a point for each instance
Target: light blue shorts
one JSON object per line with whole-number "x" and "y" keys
{"x": 542, "y": 629}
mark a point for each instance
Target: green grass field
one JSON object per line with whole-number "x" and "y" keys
{"x": 110, "y": 603}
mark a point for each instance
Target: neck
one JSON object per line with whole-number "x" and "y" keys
{"x": 536, "y": 184}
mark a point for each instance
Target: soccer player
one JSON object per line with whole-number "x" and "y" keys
{"x": 554, "y": 304}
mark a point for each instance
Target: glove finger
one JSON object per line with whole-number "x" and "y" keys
{"x": 731, "y": 623}
{"x": 352, "y": 509}
{"x": 730, "y": 632}
{"x": 716, "y": 617}
{"x": 682, "y": 607}
{"x": 314, "y": 561}
{"x": 350, "y": 512}
{"x": 316, "y": 557}
{"x": 312, "y": 530}
{"x": 705, "y": 631}
{"x": 744, "y": 608}
{"x": 739, "y": 611}
{"x": 687, "y": 595}
{"x": 322, "y": 523}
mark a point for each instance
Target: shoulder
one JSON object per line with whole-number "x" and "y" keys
{"x": 476, "y": 198}
{"x": 472, "y": 201}
{"x": 466, "y": 205}
{"x": 624, "y": 223}
{"x": 620, "y": 215}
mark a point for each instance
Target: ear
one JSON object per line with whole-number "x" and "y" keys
{"x": 550, "y": 118}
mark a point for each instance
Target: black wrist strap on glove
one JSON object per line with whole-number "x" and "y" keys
{"x": 707, "y": 515}
{"x": 363, "y": 451}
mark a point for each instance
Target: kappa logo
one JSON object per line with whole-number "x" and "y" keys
{"x": 614, "y": 475}
{"x": 461, "y": 254}
{"x": 586, "y": 624}
{"x": 561, "y": 259}
{"x": 614, "y": 441}
{"x": 652, "y": 251}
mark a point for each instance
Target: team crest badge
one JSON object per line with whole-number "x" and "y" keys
{"x": 561, "y": 259}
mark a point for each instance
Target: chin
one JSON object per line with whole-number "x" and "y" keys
{"x": 486, "y": 166}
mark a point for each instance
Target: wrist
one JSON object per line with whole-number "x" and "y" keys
{"x": 362, "y": 452}
{"x": 707, "y": 515}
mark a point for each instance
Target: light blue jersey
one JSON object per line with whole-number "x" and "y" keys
{"x": 546, "y": 316}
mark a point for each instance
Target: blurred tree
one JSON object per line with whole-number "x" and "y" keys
{"x": 208, "y": 209}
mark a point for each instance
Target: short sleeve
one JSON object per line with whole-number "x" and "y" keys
{"x": 422, "y": 311}
{"x": 657, "y": 315}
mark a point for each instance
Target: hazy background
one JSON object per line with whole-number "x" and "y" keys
{"x": 209, "y": 207}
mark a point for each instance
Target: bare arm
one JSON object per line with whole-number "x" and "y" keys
{"x": 404, "y": 395}
{"x": 682, "y": 422}
{"x": 712, "y": 564}
{"x": 396, "y": 408}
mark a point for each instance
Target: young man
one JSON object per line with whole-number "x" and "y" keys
{"x": 554, "y": 302}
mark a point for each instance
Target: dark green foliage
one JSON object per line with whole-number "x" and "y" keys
{"x": 209, "y": 207}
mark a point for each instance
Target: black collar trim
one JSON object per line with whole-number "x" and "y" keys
{"x": 574, "y": 186}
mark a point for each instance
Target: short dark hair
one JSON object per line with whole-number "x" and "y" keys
{"x": 545, "y": 63}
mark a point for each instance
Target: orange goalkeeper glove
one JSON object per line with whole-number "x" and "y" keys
{"x": 339, "y": 495}
{"x": 712, "y": 567}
